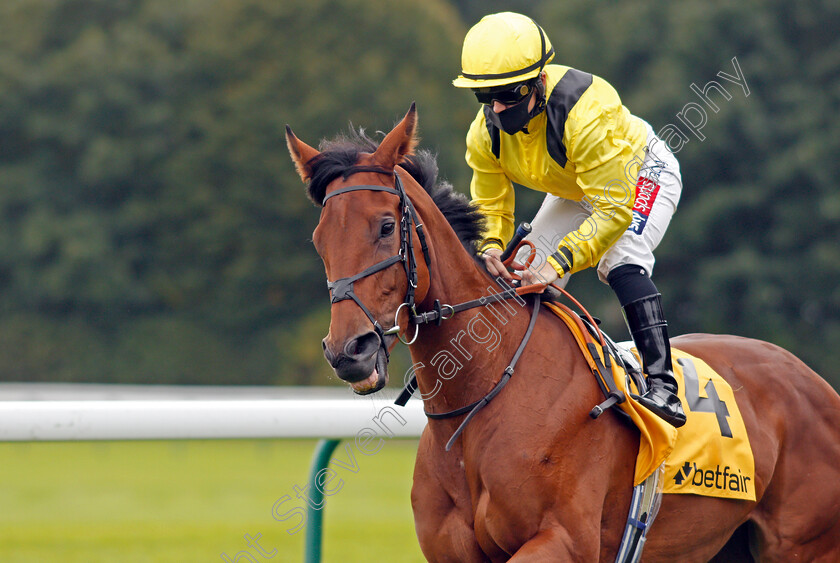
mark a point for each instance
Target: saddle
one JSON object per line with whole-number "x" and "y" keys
{"x": 710, "y": 455}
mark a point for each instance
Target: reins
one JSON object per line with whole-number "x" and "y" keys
{"x": 437, "y": 315}
{"x": 472, "y": 409}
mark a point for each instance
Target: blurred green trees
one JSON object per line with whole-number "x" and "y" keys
{"x": 153, "y": 228}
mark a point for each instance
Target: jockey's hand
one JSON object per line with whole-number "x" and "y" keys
{"x": 544, "y": 274}
{"x": 494, "y": 264}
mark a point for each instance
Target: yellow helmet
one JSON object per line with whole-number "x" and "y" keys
{"x": 503, "y": 49}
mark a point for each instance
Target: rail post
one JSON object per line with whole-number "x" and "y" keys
{"x": 315, "y": 516}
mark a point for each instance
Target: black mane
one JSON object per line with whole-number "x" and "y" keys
{"x": 340, "y": 155}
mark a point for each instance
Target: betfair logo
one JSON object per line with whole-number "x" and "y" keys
{"x": 713, "y": 478}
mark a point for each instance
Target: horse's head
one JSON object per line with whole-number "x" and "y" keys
{"x": 368, "y": 238}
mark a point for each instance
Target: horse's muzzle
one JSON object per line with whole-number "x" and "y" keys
{"x": 358, "y": 359}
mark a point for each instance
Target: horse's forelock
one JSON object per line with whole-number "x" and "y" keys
{"x": 326, "y": 167}
{"x": 338, "y": 155}
{"x": 341, "y": 154}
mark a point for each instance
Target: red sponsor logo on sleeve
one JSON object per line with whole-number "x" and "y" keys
{"x": 646, "y": 191}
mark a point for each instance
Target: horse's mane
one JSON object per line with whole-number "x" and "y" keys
{"x": 340, "y": 155}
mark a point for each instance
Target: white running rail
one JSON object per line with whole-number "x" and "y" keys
{"x": 69, "y": 420}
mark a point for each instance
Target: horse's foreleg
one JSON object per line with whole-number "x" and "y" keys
{"x": 556, "y": 544}
{"x": 449, "y": 540}
{"x": 442, "y": 511}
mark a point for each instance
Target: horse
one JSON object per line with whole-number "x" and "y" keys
{"x": 532, "y": 477}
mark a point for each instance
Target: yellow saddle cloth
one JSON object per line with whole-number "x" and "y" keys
{"x": 711, "y": 454}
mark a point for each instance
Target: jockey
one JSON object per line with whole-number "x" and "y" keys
{"x": 612, "y": 185}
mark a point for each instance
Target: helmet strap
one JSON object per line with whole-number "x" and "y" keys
{"x": 540, "y": 97}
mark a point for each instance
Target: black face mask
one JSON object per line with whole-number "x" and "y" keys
{"x": 513, "y": 119}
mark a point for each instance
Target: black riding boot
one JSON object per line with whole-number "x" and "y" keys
{"x": 648, "y": 327}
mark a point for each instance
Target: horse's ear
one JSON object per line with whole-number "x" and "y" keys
{"x": 301, "y": 153}
{"x": 400, "y": 142}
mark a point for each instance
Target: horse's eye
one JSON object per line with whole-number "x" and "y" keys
{"x": 387, "y": 229}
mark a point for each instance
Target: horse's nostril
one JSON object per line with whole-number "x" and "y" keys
{"x": 327, "y": 354}
{"x": 363, "y": 346}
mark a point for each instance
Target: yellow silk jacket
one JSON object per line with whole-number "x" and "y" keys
{"x": 586, "y": 146}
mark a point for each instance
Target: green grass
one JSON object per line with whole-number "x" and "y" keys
{"x": 132, "y": 502}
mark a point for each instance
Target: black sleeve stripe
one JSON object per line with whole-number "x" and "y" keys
{"x": 563, "y": 256}
{"x": 563, "y": 98}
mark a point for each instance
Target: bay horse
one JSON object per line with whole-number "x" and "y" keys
{"x": 532, "y": 477}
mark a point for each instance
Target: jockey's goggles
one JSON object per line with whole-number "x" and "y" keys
{"x": 506, "y": 95}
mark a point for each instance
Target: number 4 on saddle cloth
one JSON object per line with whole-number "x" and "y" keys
{"x": 710, "y": 455}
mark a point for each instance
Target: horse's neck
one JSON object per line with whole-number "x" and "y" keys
{"x": 459, "y": 361}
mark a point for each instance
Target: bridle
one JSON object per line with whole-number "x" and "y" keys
{"x": 342, "y": 289}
